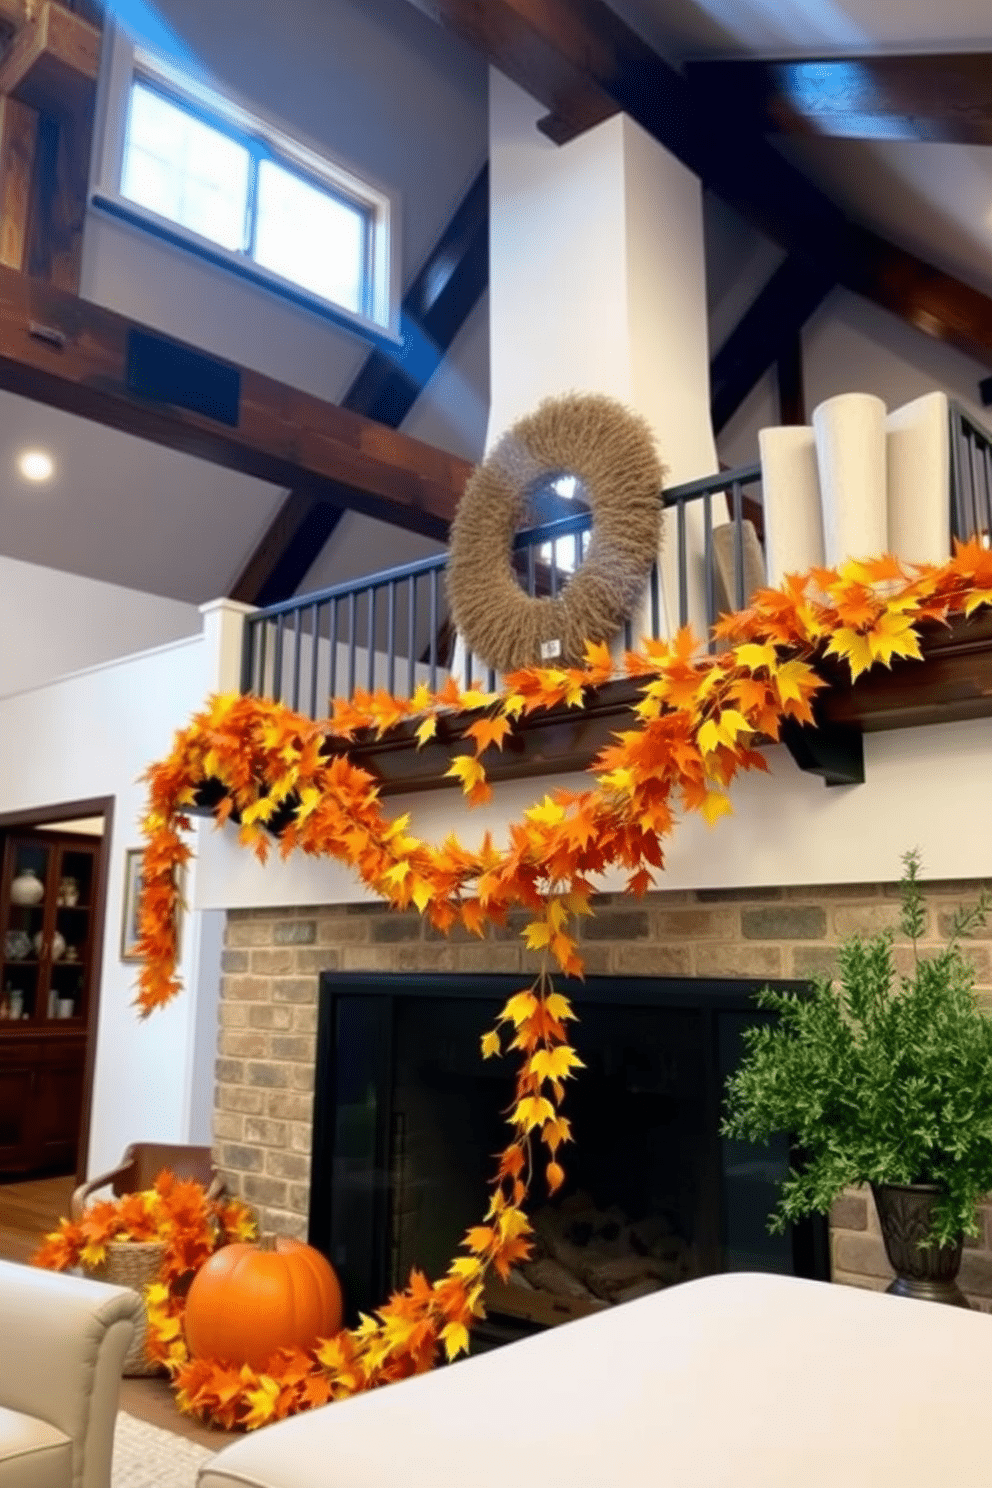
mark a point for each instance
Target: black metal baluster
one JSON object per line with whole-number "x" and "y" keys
{"x": 708, "y": 563}
{"x": 370, "y": 669}
{"x": 314, "y": 656}
{"x": 683, "y": 546}
{"x": 960, "y": 524}
{"x": 277, "y": 664}
{"x": 738, "y": 498}
{"x": 247, "y": 653}
{"x": 433, "y": 617}
{"x": 333, "y": 637}
{"x": 411, "y": 625}
{"x": 297, "y": 643}
{"x": 352, "y": 641}
{"x": 391, "y": 637}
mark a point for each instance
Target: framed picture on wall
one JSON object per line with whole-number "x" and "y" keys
{"x": 129, "y": 915}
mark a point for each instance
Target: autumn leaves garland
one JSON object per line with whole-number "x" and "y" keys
{"x": 427, "y": 1319}
{"x": 701, "y": 720}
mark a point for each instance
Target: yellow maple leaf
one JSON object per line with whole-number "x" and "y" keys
{"x": 549, "y": 813}
{"x": 467, "y": 769}
{"x": 537, "y": 935}
{"x": 893, "y": 635}
{"x": 754, "y": 656}
{"x": 455, "y": 1340}
{"x": 559, "y": 1007}
{"x": 491, "y": 1044}
{"x": 262, "y": 1401}
{"x": 532, "y": 1111}
{"x": 851, "y": 647}
{"x": 426, "y": 730}
{"x": 795, "y": 680}
{"x": 555, "y": 1064}
{"x": 520, "y": 1007}
{"x": 421, "y": 893}
{"x": 714, "y": 805}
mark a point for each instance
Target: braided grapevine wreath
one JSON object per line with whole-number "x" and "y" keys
{"x": 612, "y": 452}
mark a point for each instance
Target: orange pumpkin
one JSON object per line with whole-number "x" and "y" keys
{"x": 246, "y": 1301}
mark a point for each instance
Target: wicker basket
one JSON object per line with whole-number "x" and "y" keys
{"x": 135, "y": 1264}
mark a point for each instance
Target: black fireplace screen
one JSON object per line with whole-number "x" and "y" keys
{"x": 408, "y": 1117}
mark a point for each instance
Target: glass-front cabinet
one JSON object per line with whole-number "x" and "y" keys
{"x": 47, "y": 928}
{"x": 48, "y": 906}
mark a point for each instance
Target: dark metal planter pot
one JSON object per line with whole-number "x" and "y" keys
{"x": 926, "y": 1272}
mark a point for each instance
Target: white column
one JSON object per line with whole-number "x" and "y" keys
{"x": 597, "y": 284}
{"x": 223, "y": 634}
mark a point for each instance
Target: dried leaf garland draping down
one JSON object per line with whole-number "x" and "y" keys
{"x": 702, "y": 719}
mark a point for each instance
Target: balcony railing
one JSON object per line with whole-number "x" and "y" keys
{"x": 391, "y": 630}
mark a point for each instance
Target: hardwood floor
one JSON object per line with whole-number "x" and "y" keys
{"x": 29, "y": 1209}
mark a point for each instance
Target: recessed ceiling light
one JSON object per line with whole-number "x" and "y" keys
{"x": 36, "y": 465}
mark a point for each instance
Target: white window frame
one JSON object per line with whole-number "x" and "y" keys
{"x": 125, "y": 62}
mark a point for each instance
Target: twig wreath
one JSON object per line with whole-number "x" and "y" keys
{"x": 612, "y": 452}
{"x": 702, "y": 719}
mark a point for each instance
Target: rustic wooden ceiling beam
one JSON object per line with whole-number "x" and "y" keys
{"x": 939, "y": 97}
{"x": 53, "y": 62}
{"x": 73, "y": 354}
{"x": 435, "y": 307}
{"x": 523, "y": 37}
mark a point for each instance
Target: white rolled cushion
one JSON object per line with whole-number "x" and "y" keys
{"x": 737, "y": 1381}
{"x": 32, "y": 1453}
{"x": 850, "y": 454}
{"x": 919, "y": 477}
{"x": 62, "y": 1344}
{"x": 790, "y": 493}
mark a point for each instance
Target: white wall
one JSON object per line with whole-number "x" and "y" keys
{"x": 925, "y": 788}
{"x": 850, "y": 345}
{"x": 370, "y": 82}
{"x": 57, "y": 623}
{"x": 92, "y": 735}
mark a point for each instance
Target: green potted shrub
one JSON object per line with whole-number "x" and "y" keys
{"x": 884, "y": 1080}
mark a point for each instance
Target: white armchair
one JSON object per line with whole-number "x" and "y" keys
{"x": 62, "y": 1344}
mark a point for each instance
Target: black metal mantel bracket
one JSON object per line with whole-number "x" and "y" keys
{"x": 833, "y": 750}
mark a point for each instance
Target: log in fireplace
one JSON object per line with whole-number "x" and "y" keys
{"x": 407, "y": 1117}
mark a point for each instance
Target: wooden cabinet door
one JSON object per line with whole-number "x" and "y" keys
{"x": 58, "y": 1102}
{"x": 18, "y": 1084}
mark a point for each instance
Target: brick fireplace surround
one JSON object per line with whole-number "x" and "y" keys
{"x": 268, "y": 1013}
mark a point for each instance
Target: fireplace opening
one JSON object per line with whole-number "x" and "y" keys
{"x": 408, "y": 1117}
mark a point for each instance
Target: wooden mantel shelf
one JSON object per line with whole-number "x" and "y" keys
{"x": 952, "y": 683}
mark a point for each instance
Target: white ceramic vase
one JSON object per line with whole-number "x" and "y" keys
{"x": 27, "y": 889}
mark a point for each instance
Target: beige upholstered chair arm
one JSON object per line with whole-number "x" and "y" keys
{"x": 62, "y": 1345}
{"x": 79, "y": 1196}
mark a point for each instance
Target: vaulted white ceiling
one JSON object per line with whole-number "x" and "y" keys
{"x": 147, "y": 518}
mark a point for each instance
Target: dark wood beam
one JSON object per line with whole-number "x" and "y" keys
{"x": 53, "y": 62}
{"x": 939, "y": 97}
{"x": 72, "y": 354}
{"x": 766, "y": 332}
{"x": 571, "y": 57}
{"x": 18, "y": 143}
{"x": 50, "y": 68}
{"x": 791, "y": 383}
{"x": 434, "y": 309}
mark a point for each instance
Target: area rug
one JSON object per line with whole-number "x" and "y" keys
{"x": 147, "y": 1457}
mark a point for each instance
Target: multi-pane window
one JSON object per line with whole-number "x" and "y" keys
{"x": 234, "y": 189}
